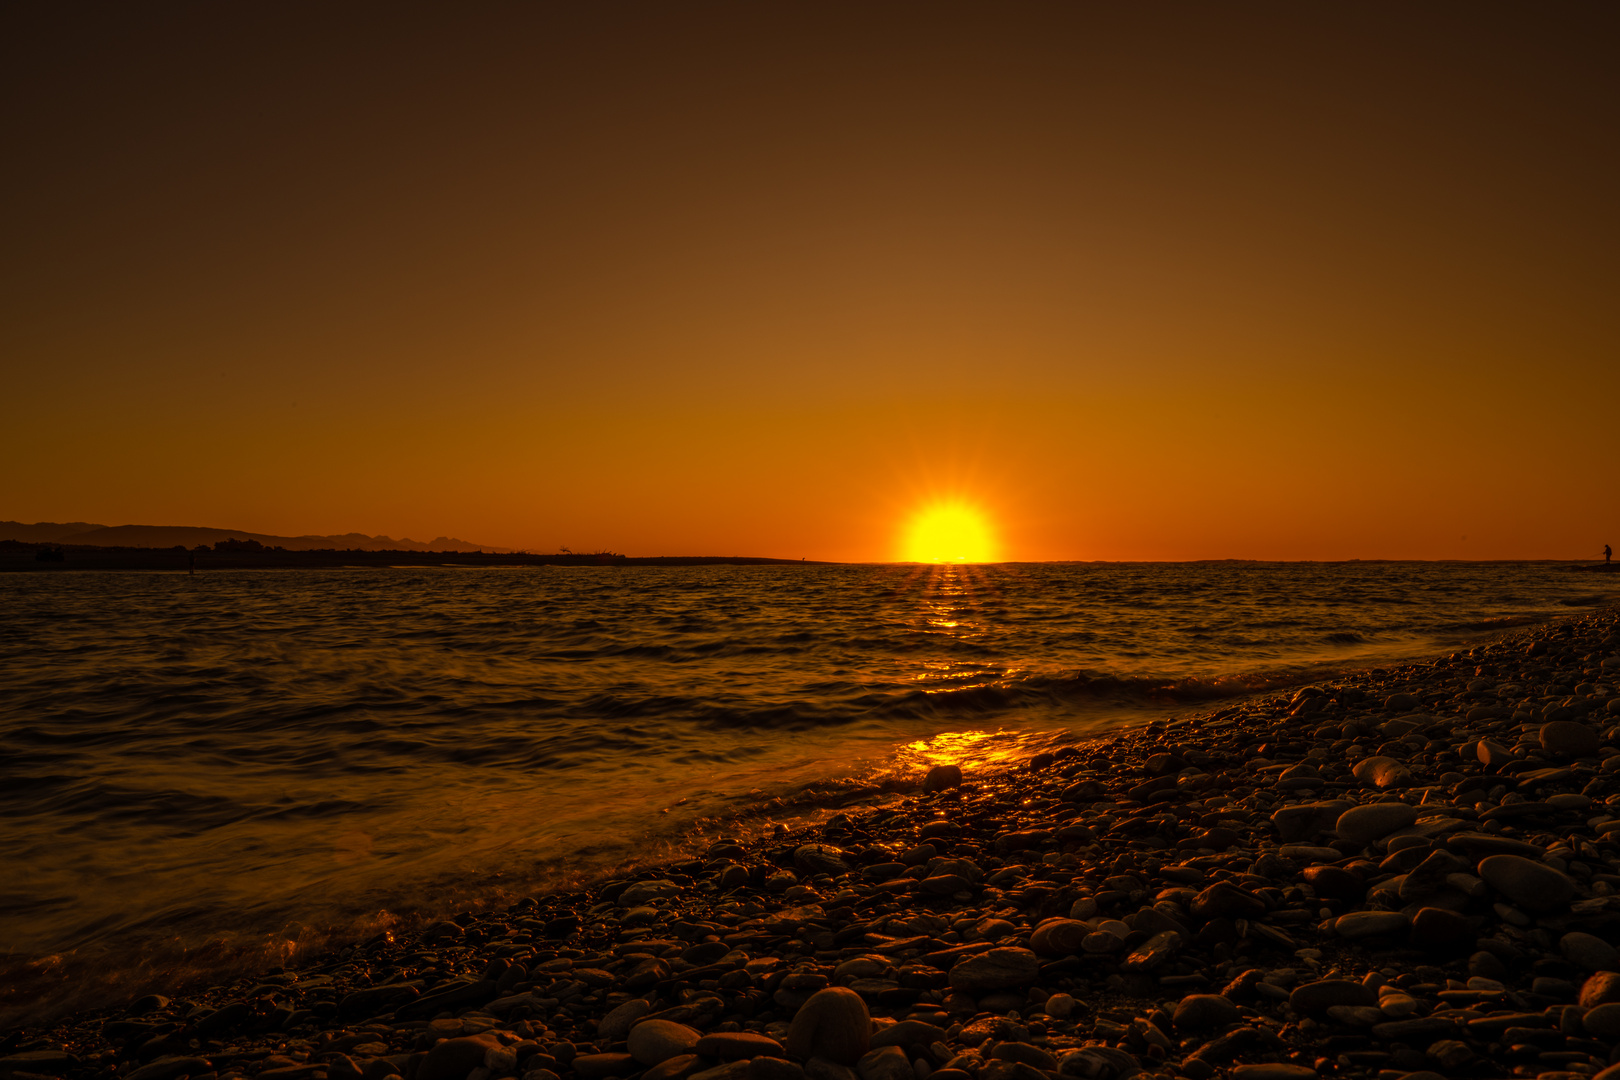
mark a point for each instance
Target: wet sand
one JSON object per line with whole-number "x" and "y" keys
{"x": 1412, "y": 871}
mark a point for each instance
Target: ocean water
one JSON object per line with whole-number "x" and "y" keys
{"x": 203, "y": 773}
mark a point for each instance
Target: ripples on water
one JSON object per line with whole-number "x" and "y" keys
{"x": 254, "y": 757}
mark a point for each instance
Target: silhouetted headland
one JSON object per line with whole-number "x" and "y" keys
{"x": 251, "y": 555}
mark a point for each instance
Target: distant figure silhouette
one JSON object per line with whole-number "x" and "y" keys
{"x": 191, "y": 566}
{"x": 1608, "y": 553}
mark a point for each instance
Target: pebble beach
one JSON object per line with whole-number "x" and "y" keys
{"x": 1410, "y": 871}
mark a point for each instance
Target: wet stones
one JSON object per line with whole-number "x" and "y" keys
{"x": 820, "y": 859}
{"x": 834, "y": 1024}
{"x": 998, "y": 969}
{"x": 639, "y": 892}
{"x": 1374, "y": 821}
{"x": 942, "y": 777}
{"x": 1220, "y": 882}
{"x": 1532, "y": 885}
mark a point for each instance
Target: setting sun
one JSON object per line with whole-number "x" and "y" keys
{"x": 949, "y": 532}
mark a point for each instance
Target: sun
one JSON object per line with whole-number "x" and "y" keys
{"x": 949, "y": 532}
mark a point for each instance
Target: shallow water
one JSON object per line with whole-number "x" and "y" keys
{"x": 253, "y": 758}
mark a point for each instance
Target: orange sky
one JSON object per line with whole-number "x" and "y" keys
{"x": 1150, "y": 282}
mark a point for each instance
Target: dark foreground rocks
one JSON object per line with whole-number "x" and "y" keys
{"x": 1412, "y": 873}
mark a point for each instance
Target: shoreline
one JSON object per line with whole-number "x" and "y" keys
{"x": 1209, "y": 856}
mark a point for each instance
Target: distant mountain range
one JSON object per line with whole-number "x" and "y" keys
{"x": 190, "y": 536}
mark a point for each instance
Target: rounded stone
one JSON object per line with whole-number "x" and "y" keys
{"x": 1365, "y": 924}
{"x": 1202, "y": 1012}
{"x": 1374, "y": 821}
{"x": 676, "y": 1068}
{"x": 885, "y": 1063}
{"x": 653, "y": 1041}
{"x": 453, "y": 1059}
{"x": 1273, "y": 1071}
{"x": 1600, "y": 989}
{"x": 1225, "y": 900}
{"x": 833, "y": 1024}
{"x": 820, "y": 859}
{"x": 1335, "y": 883}
{"x": 1058, "y": 937}
{"x": 738, "y": 1045}
{"x": 1439, "y": 929}
{"x": 1316, "y": 998}
{"x": 1603, "y": 1022}
{"x": 1588, "y": 952}
{"x": 998, "y": 969}
{"x": 941, "y": 777}
{"x": 1532, "y": 885}
{"x": 1382, "y": 772}
{"x": 1567, "y": 738}
{"x": 617, "y": 1024}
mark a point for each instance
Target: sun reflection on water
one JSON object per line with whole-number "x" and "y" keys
{"x": 969, "y": 749}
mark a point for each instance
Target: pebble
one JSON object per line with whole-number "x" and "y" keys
{"x": 833, "y": 1024}
{"x": 1373, "y": 821}
{"x": 1603, "y": 1021}
{"x": 885, "y": 1063}
{"x": 998, "y": 969}
{"x": 1325, "y": 876}
{"x": 1200, "y": 1012}
{"x": 1532, "y": 885}
{"x": 1316, "y": 998}
{"x": 1382, "y": 772}
{"x": 1567, "y": 738}
{"x": 1364, "y": 924}
{"x": 1589, "y": 952}
{"x": 653, "y": 1041}
{"x": 1273, "y": 1071}
{"x": 1059, "y": 937}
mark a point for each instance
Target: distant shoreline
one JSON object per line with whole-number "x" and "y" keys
{"x": 20, "y": 556}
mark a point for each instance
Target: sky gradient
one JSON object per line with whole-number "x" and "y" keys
{"x": 1137, "y": 282}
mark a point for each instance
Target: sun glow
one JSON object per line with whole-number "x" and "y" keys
{"x": 949, "y": 532}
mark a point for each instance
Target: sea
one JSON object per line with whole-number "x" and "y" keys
{"x": 206, "y": 775}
